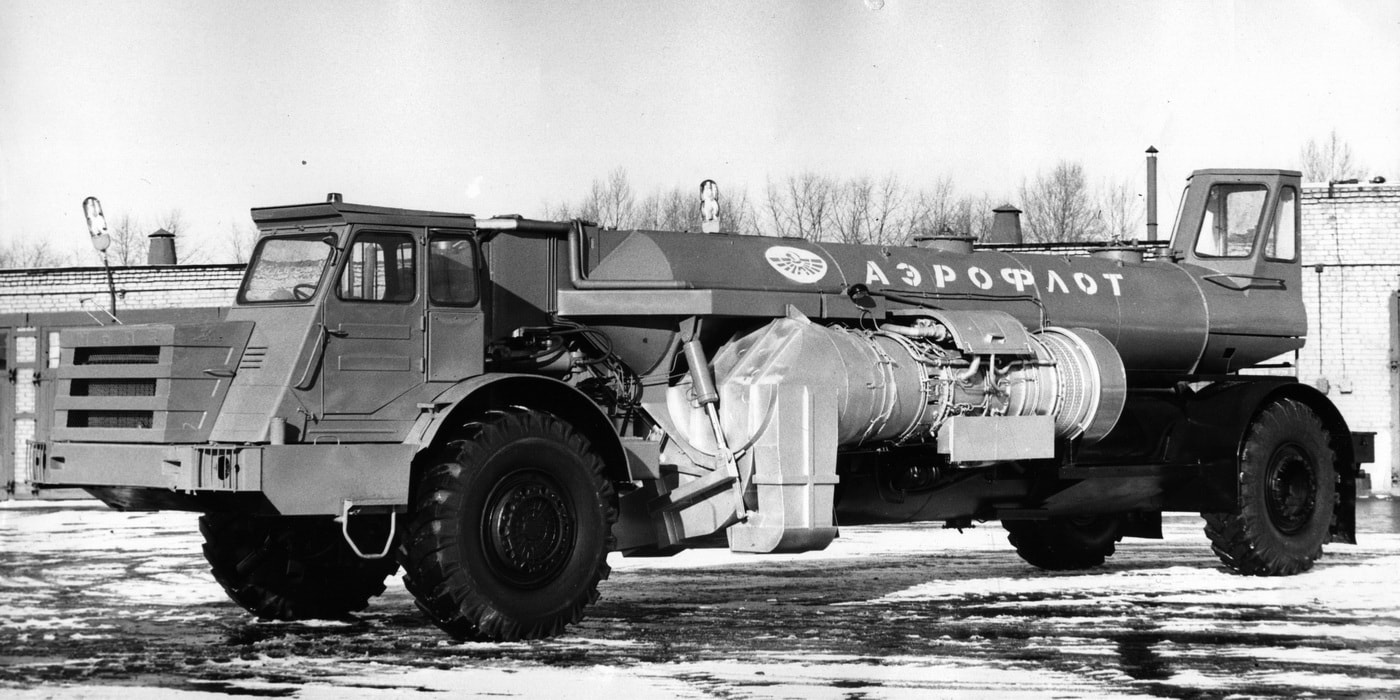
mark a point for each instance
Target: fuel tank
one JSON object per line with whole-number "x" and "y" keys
{"x": 1154, "y": 312}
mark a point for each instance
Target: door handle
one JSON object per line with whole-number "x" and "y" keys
{"x": 308, "y": 375}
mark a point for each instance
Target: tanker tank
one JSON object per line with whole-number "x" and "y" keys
{"x": 1157, "y": 313}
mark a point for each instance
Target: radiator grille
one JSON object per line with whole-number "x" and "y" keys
{"x": 111, "y": 419}
{"x": 113, "y": 387}
{"x": 138, "y": 355}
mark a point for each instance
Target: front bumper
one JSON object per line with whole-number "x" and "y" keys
{"x": 295, "y": 479}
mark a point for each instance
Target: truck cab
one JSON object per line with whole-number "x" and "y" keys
{"x": 360, "y": 314}
{"x": 1237, "y": 232}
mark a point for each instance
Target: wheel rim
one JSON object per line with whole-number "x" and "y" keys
{"x": 1291, "y": 489}
{"x": 528, "y": 529}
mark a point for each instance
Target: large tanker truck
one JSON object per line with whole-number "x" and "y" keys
{"x": 496, "y": 404}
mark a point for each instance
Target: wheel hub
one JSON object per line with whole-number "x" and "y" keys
{"x": 1292, "y": 489}
{"x": 529, "y": 529}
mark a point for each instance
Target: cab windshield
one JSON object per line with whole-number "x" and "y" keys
{"x": 286, "y": 269}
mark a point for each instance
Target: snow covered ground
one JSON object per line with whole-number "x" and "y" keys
{"x": 95, "y": 603}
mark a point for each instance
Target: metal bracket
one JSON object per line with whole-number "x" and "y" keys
{"x": 344, "y": 518}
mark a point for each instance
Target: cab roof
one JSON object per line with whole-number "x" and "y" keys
{"x": 1246, "y": 172}
{"x": 343, "y": 212}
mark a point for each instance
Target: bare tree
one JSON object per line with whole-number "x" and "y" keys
{"x": 800, "y": 206}
{"x": 1329, "y": 160}
{"x": 610, "y": 201}
{"x": 934, "y": 209}
{"x": 736, "y": 212}
{"x": 973, "y": 216}
{"x": 1120, "y": 211}
{"x": 27, "y": 256}
{"x": 869, "y": 211}
{"x": 173, "y": 220}
{"x": 241, "y": 239}
{"x": 560, "y": 211}
{"x": 127, "y": 240}
{"x": 1059, "y": 207}
{"x": 930, "y": 209}
{"x": 669, "y": 210}
{"x": 678, "y": 209}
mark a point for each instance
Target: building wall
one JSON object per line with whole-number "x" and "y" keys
{"x": 1351, "y": 253}
{"x": 86, "y": 289}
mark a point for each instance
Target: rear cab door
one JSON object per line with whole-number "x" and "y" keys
{"x": 455, "y": 328}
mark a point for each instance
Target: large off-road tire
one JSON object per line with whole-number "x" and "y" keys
{"x": 1062, "y": 544}
{"x": 510, "y": 530}
{"x": 1288, "y": 491}
{"x": 283, "y": 568}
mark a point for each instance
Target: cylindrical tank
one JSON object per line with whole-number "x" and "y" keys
{"x": 1153, "y": 312}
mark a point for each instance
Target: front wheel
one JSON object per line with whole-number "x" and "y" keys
{"x": 511, "y": 529}
{"x": 1288, "y": 490}
{"x": 290, "y": 568}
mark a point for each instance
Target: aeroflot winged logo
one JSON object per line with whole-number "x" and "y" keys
{"x": 796, "y": 264}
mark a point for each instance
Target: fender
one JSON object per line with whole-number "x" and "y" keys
{"x": 1218, "y": 420}
{"x": 1220, "y": 415}
{"x": 469, "y": 397}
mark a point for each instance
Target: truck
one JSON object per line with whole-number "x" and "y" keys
{"x": 497, "y": 404}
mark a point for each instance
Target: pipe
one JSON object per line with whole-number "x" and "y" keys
{"x": 935, "y": 332}
{"x": 1151, "y": 193}
{"x": 580, "y": 281}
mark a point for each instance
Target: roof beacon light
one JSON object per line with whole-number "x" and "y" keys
{"x": 709, "y": 206}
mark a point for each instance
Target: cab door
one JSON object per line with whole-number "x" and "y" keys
{"x": 456, "y": 334}
{"x": 373, "y": 325}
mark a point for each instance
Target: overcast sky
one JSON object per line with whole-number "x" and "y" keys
{"x": 215, "y": 107}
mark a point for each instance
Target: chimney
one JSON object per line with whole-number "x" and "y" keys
{"x": 162, "y": 250}
{"x": 1006, "y": 226}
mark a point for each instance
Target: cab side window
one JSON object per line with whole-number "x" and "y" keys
{"x": 1231, "y": 221}
{"x": 379, "y": 267}
{"x": 1283, "y": 239}
{"x": 452, "y": 275}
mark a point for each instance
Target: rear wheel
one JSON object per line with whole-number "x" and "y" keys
{"x": 511, "y": 529}
{"x": 285, "y": 568}
{"x": 1288, "y": 490}
{"x": 1061, "y": 544}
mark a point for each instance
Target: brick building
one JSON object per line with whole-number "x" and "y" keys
{"x": 1351, "y": 279}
